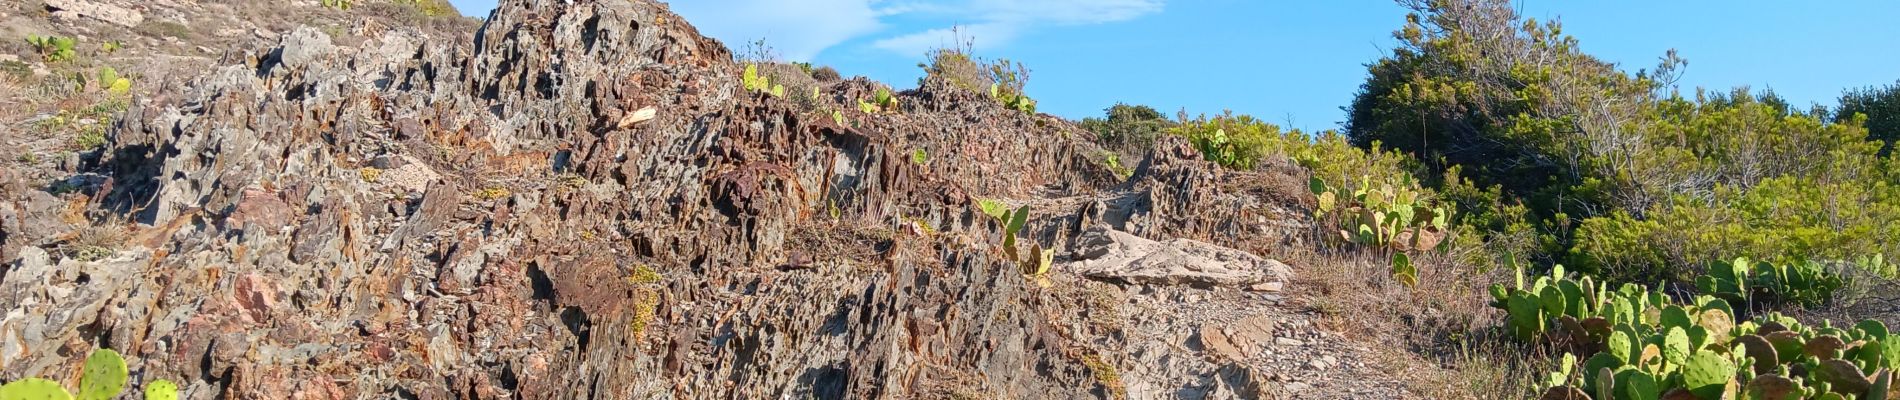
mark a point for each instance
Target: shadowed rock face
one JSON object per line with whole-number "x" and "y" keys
{"x": 421, "y": 218}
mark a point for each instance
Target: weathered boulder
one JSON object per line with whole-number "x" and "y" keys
{"x": 113, "y": 14}
{"x": 1115, "y": 255}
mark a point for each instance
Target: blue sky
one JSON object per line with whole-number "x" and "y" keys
{"x": 1292, "y": 62}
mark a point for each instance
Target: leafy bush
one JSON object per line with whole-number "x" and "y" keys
{"x": 1617, "y": 173}
{"x": 1233, "y": 141}
{"x": 1241, "y": 142}
{"x": 1128, "y": 127}
{"x": 826, "y": 74}
{"x": 1002, "y": 79}
{"x": 1881, "y": 108}
{"x": 431, "y": 8}
{"x": 957, "y": 67}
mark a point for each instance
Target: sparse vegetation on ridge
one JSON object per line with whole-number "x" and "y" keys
{"x": 1502, "y": 216}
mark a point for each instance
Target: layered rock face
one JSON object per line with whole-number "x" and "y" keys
{"x": 414, "y": 217}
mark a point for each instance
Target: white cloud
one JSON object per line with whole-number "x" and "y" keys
{"x": 797, "y": 30}
{"x": 1001, "y": 21}
{"x": 1066, "y": 12}
{"x": 980, "y": 36}
{"x": 801, "y": 29}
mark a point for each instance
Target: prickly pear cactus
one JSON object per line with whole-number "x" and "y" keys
{"x": 34, "y": 389}
{"x": 161, "y": 390}
{"x": 1883, "y": 386}
{"x": 1605, "y": 384}
{"x": 104, "y": 376}
{"x": 1706, "y": 374}
{"x": 1640, "y": 386}
{"x": 1675, "y": 346}
{"x": 1527, "y": 320}
{"x": 1016, "y": 222}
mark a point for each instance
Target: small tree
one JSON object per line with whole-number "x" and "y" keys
{"x": 1881, "y": 105}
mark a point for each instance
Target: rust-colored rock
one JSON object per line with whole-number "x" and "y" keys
{"x": 582, "y": 202}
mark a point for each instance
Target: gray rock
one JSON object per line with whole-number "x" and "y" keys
{"x": 304, "y": 46}
{"x": 1115, "y": 255}
{"x": 101, "y": 11}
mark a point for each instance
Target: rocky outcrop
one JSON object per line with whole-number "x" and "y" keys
{"x": 584, "y": 203}
{"x": 104, "y": 12}
{"x": 1116, "y": 255}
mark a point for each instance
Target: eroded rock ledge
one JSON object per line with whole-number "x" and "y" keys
{"x": 420, "y": 218}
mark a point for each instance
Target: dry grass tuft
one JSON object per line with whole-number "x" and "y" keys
{"x": 1440, "y": 335}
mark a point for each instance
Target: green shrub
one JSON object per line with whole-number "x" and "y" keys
{"x": 1615, "y": 173}
{"x": 1002, "y": 79}
{"x": 826, "y": 74}
{"x": 1880, "y": 106}
{"x": 1781, "y": 220}
{"x": 959, "y": 68}
{"x": 1128, "y": 127}
{"x": 431, "y": 8}
{"x": 1241, "y": 142}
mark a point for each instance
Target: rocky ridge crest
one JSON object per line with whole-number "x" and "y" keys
{"x": 424, "y": 218}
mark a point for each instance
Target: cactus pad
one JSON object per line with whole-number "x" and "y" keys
{"x": 1788, "y": 345}
{"x": 1760, "y": 350}
{"x": 1773, "y": 387}
{"x": 1718, "y": 323}
{"x": 1882, "y": 388}
{"x": 1675, "y": 348}
{"x": 1873, "y": 328}
{"x": 1825, "y": 347}
{"x": 161, "y": 390}
{"x": 33, "y": 389}
{"x": 1619, "y": 346}
{"x": 1527, "y": 319}
{"x": 105, "y": 376}
{"x": 1843, "y": 377}
{"x": 1640, "y": 386}
{"x": 1706, "y": 374}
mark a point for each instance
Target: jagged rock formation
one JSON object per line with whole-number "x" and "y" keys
{"x": 421, "y": 218}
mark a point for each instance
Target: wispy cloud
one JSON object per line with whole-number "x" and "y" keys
{"x": 999, "y": 22}
{"x": 799, "y": 30}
